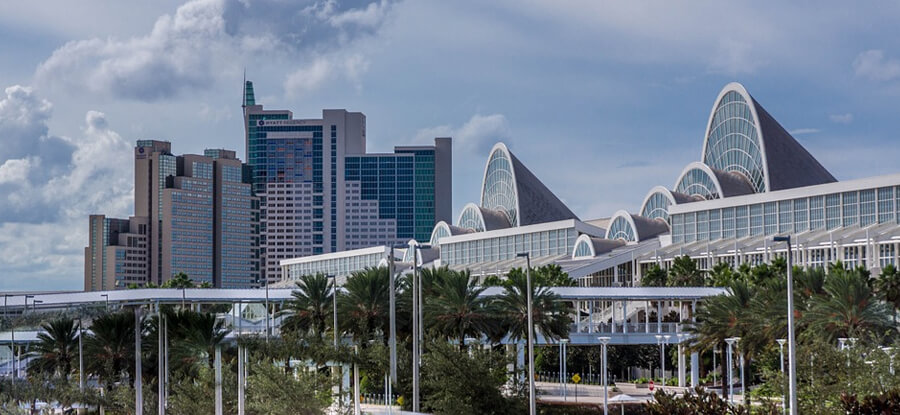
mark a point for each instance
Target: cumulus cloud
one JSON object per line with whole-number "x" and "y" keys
{"x": 51, "y": 184}
{"x": 205, "y": 40}
{"x": 846, "y": 118}
{"x": 324, "y": 69}
{"x": 873, "y": 65}
{"x": 476, "y": 135}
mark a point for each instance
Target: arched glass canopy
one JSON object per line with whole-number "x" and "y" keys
{"x": 499, "y": 188}
{"x": 583, "y": 248}
{"x": 441, "y": 230}
{"x": 733, "y": 140}
{"x": 622, "y": 228}
{"x": 656, "y": 204}
{"x": 471, "y": 218}
{"x": 699, "y": 180}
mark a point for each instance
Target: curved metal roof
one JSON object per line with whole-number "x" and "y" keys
{"x": 785, "y": 163}
{"x": 534, "y": 202}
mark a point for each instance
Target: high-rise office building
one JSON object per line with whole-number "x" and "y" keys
{"x": 321, "y": 192}
{"x": 193, "y": 214}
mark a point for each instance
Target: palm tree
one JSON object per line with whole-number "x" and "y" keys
{"x": 56, "y": 349}
{"x": 849, "y": 308}
{"x": 365, "y": 306}
{"x": 684, "y": 273}
{"x": 194, "y": 339}
{"x": 728, "y": 315}
{"x": 459, "y": 310}
{"x": 887, "y": 286}
{"x": 721, "y": 274}
{"x": 109, "y": 349}
{"x": 549, "y": 315}
{"x": 310, "y": 309}
{"x": 655, "y": 277}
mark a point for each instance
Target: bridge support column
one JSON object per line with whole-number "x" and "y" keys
{"x": 590, "y": 316}
{"x": 578, "y": 316}
{"x": 695, "y": 370}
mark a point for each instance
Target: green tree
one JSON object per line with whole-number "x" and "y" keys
{"x": 655, "y": 277}
{"x": 109, "y": 349}
{"x": 552, "y": 275}
{"x": 458, "y": 310}
{"x": 684, "y": 273}
{"x": 365, "y": 306}
{"x": 310, "y": 310}
{"x": 549, "y": 315}
{"x": 193, "y": 338}
{"x": 721, "y": 275}
{"x": 179, "y": 280}
{"x": 848, "y": 308}
{"x": 462, "y": 383}
{"x": 887, "y": 286}
{"x": 56, "y": 349}
{"x": 272, "y": 391}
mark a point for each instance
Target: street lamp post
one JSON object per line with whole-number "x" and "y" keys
{"x": 715, "y": 368}
{"x": 138, "y": 386}
{"x": 34, "y": 305}
{"x": 532, "y": 407}
{"x": 24, "y": 310}
{"x": 562, "y": 366}
{"x": 792, "y": 352}
{"x": 393, "y": 315}
{"x": 80, "y": 356}
{"x": 334, "y": 294}
{"x": 267, "y": 311}
{"x": 781, "y": 343}
{"x": 418, "y": 322}
{"x": 604, "y": 341}
{"x": 730, "y": 342}
{"x": 662, "y": 360}
{"x": 106, "y": 298}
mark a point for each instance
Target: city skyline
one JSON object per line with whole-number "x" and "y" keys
{"x": 78, "y": 94}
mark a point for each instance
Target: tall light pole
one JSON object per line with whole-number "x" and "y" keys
{"x": 781, "y": 343}
{"x": 106, "y": 298}
{"x": 730, "y": 341}
{"x": 267, "y": 310}
{"x": 138, "y": 386}
{"x": 603, "y": 342}
{"x": 743, "y": 380}
{"x": 393, "y": 315}
{"x": 418, "y": 322}
{"x": 792, "y": 352}
{"x": 532, "y": 406}
{"x": 334, "y": 294}
{"x": 562, "y": 366}
{"x": 80, "y": 357}
{"x": 25, "y": 310}
{"x": 715, "y": 352}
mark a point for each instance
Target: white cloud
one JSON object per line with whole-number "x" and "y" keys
{"x": 16, "y": 170}
{"x": 873, "y": 65}
{"x": 476, "y": 136}
{"x": 845, "y": 118}
{"x": 802, "y": 131}
{"x": 206, "y": 41}
{"x": 52, "y": 188}
{"x": 371, "y": 16}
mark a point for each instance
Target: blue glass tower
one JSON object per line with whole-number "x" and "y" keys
{"x": 320, "y": 192}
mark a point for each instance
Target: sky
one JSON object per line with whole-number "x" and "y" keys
{"x": 601, "y": 100}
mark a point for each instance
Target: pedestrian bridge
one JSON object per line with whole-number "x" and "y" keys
{"x": 628, "y": 315}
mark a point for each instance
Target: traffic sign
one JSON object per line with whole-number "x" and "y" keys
{"x": 576, "y": 378}
{"x": 651, "y": 386}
